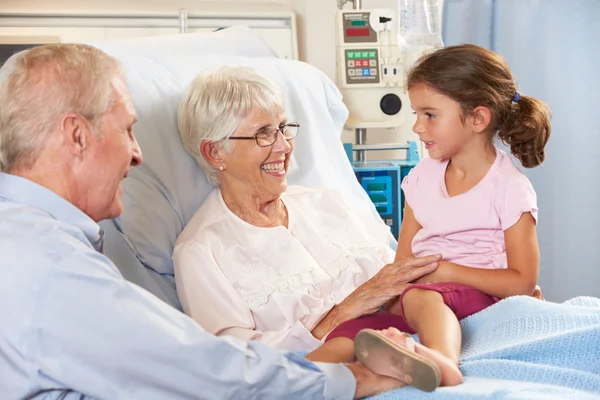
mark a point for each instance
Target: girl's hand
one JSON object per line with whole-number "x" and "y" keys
{"x": 444, "y": 273}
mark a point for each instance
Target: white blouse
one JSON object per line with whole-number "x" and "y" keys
{"x": 275, "y": 284}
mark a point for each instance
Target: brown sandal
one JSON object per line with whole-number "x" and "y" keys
{"x": 384, "y": 357}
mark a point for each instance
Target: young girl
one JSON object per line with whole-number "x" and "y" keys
{"x": 468, "y": 202}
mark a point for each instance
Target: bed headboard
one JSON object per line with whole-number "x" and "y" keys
{"x": 31, "y": 25}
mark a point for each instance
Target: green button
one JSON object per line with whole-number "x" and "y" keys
{"x": 372, "y": 54}
{"x": 358, "y": 23}
{"x": 376, "y": 186}
{"x": 365, "y": 54}
{"x": 350, "y": 54}
{"x": 378, "y": 198}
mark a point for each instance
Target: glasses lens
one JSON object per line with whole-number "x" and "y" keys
{"x": 267, "y": 138}
{"x": 290, "y": 131}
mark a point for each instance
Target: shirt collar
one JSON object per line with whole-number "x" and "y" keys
{"x": 23, "y": 191}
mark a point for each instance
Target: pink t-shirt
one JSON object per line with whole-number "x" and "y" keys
{"x": 468, "y": 229}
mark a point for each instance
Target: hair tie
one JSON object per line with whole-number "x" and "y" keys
{"x": 516, "y": 98}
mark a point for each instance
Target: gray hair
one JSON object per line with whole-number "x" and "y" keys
{"x": 215, "y": 104}
{"x": 39, "y": 85}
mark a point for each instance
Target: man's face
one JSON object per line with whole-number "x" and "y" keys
{"x": 111, "y": 157}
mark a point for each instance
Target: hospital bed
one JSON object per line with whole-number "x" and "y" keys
{"x": 504, "y": 354}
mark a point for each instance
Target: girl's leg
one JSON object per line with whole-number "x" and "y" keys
{"x": 438, "y": 329}
{"x": 340, "y": 345}
{"x": 394, "y": 306}
{"x": 336, "y": 350}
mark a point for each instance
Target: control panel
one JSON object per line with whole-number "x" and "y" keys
{"x": 362, "y": 66}
{"x": 379, "y": 189}
{"x": 357, "y": 28}
{"x": 381, "y": 181}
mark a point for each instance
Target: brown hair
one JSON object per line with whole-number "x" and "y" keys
{"x": 474, "y": 76}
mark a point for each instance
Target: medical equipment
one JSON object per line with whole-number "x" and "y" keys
{"x": 370, "y": 72}
{"x": 371, "y": 76}
{"x": 420, "y": 28}
{"x": 381, "y": 181}
{"x": 374, "y": 50}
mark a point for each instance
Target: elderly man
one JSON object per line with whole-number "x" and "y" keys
{"x": 70, "y": 321}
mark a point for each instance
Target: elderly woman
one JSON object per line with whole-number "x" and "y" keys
{"x": 261, "y": 260}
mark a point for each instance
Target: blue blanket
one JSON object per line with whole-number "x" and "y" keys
{"x": 522, "y": 348}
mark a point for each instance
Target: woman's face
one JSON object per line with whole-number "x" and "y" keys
{"x": 258, "y": 171}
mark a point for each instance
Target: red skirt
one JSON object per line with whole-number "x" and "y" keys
{"x": 462, "y": 300}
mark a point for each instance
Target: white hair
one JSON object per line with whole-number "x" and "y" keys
{"x": 215, "y": 104}
{"x": 39, "y": 85}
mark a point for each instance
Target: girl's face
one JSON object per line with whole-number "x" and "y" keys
{"x": 439, "y": 123}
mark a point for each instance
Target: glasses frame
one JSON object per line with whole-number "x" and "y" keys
{"x": 280, "y": 129}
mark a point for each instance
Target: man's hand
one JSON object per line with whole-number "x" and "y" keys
{"x": 388, "y": 283}
{"x": 369, "y": 383}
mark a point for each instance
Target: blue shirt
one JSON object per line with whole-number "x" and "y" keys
{"x": 69, "y": 319}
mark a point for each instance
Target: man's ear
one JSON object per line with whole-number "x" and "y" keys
{"x": 75, "y": 131}
{"x": 212, "y": 153}
{"x": 481, "y": 117}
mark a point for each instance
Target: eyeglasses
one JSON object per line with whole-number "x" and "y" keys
{"x": 267, "y": 137}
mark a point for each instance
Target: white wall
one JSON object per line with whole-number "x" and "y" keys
{"x": 316, "y": 34}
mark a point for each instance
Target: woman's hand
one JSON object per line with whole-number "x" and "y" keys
{"x": 388, "y": 283}
{"x": 368, "y": 298}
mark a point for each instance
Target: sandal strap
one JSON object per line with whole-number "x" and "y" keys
{"x": 410, "y": 342}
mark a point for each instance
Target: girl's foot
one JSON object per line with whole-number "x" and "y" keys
{"x": 393, "y": 353}
{"x": 386, "y": 353}
{"x": 451, "y": 375}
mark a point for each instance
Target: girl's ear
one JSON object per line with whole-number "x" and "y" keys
{"x": 481, "y": 117}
